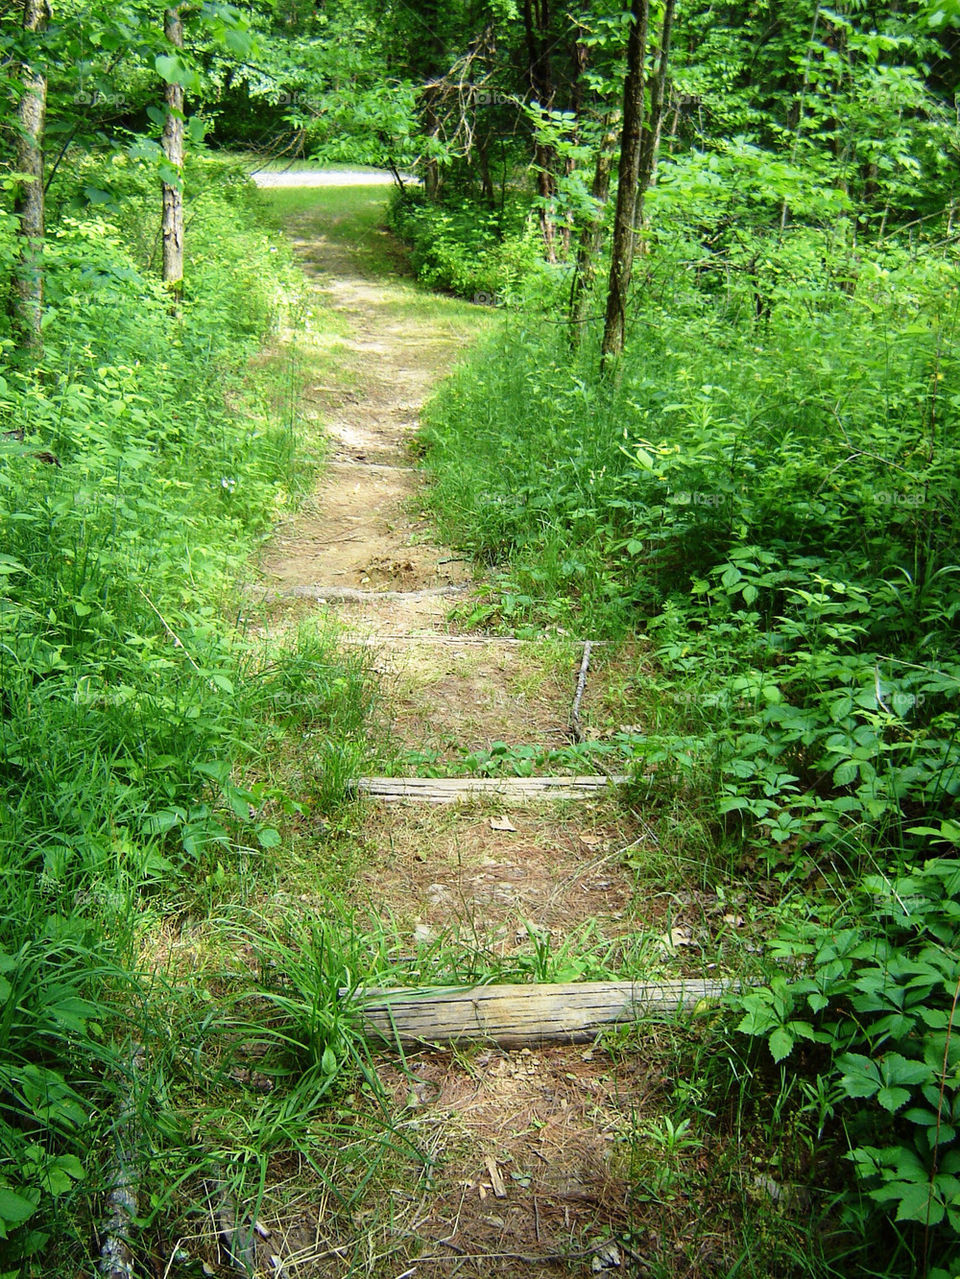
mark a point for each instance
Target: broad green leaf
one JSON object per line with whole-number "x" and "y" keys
{"x": 893, "y": 1098}
{"x": 781, "y": 1043}
{"x": 15, "y": 1209}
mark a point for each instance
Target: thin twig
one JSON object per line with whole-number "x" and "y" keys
{"x": 177, "y": 641}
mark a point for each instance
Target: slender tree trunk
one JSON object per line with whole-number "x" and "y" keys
{"x": 621, "y": 265}
{"x": 173, "y": 151}
{"x": 431, "y": 170}
{"x": 483, "y": 167}
{"x": 586, "y": 264}
{"x": 26, "y": 294}
{"x": 536, "y": 21}
{"x": 651, "y": 133}
{"x": 578, "y": 65}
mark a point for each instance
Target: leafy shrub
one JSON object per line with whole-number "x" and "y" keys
{"x": 873, "y": 987}
{"x": 468, "y": 249}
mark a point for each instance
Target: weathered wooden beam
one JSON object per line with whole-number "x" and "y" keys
{"x": 452, "y": 790}
{"x": 518, "y": 1016}
{"x": 459, "y": 641}
{"x": 353, "y": 595}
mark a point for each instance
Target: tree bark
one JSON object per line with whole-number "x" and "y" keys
{"x": 586, "y": 264}
{"x": 173, "y": 152}
{"x": 536, "y": 21}
{"x": 431, "y": 171}
{"x": 621, "y": 265}
{"x": 650, "y": 148}
{"x": 26, "y": 294}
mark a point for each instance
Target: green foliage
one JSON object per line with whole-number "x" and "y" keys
{"x": 768, "y": 487}
{"x": 137, "y": 723}
{"x": 873, "y": 985}
{"x": 476, "y": 252}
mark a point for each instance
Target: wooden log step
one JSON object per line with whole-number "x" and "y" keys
{"x": 517, "y": 1016}
{"x": 451, "y": 790}
{"x": 353, "y": 595}
{"x": 459, "y": 641}
{"x": 345, "y": 462}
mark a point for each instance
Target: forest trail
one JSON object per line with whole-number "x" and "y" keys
{"x": 525, "y": 1155}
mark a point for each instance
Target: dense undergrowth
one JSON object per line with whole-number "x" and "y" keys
{"x": 139, "y": 463}
{"x": 466, "y": 247}
{"x": 767, "y": 488}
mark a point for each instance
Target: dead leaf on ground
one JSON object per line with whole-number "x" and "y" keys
{"x": 676, "y": 937}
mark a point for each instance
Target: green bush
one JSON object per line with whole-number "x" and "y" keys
{"x": 871, "y": 990}
{"x": 468, "y": 249}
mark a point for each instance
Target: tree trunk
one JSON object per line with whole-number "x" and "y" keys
{"x": 26, "y": 294}
{"x": 589, "y": 247}
{"x": 578, "y": 65}
{"x": 431, "y": 170}
{"x": 173, "y": 152}
{"x": 487, "y": 192}
{"x": 621, "y": 264}
{"x": 651, "y": 133}
{"x": 536, "y": 21}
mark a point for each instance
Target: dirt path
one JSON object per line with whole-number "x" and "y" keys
{"x": 525, "y": 1155}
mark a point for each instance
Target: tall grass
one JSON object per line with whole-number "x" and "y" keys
{"x": 142, "y": 460}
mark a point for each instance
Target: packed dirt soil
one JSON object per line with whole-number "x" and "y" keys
{"x": 525, "y": 1155}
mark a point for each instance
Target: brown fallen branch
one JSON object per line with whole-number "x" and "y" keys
{"x": 517, "y": 1016}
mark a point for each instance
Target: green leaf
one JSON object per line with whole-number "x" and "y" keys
{"x": 860, "y": 1078}
{"x": 893, "y": 1098}
{"x": 14, "y": 1209}
{"x": 896, "y": 1069}
{"x": 174, "y": 71}
{"x": 328, "y": 1062}
{"x": 268, "y": 837}
{"x": 781, "y": 1043}
{"x": 845, "y": 774}
{"x": 237, "y": 41}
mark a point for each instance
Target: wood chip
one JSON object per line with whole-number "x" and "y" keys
{"x": 496, "y": 1181}
{"x": 502, "y": 823}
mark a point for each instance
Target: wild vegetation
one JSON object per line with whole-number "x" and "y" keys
{"x": 718, "y": 418}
